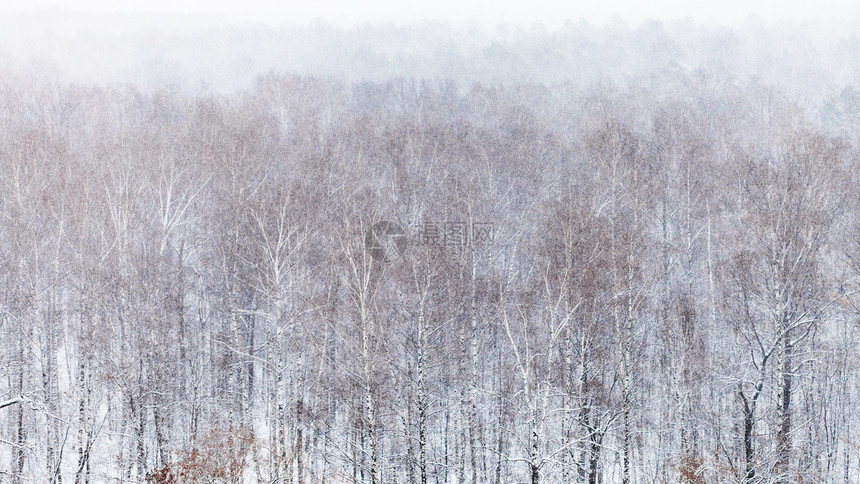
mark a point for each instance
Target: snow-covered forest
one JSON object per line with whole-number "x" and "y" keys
{"x": 631, "y": 256}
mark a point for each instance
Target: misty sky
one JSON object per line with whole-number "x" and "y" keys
{"x": 551, "y": 13}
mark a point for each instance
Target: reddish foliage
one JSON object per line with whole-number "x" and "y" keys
{"x": 219, "y": 457}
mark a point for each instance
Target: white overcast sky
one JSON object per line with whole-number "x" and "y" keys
{"x": 549, "y": 12}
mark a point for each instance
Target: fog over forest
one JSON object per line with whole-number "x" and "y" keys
{"x": 235, "y": 251}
